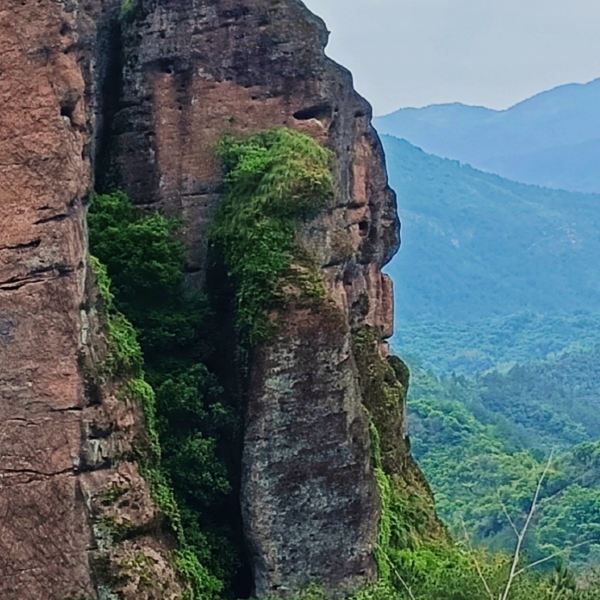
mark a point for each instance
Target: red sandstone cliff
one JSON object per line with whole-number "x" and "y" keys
{"x": 62, "y": 448}
{"x": 145, "y": 99}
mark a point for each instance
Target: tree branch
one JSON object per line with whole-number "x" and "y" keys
{"x": 476, "y": 562}
{"x": 400, "y": 578}
{"x": 521, "y": 535}
{"x": 558, "y": 553}
{"x": 512, "y": 523}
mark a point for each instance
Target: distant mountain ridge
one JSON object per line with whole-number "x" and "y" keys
{"x": 551, "y": 139}
{"x": 476, "y": 245}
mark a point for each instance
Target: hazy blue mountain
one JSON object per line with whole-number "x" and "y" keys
{"x": 551, "y": 139}
{"x": 475, "y": 245}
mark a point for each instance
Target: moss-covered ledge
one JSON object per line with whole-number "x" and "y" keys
{"x": 408, "y": 520}
{"x": 274, "y": 181}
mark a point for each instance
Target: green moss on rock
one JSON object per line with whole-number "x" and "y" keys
{"x": 274, "y": 181}
{"x": 407, "y": 514}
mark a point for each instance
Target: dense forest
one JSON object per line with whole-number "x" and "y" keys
{"x": 477, "y": 246}
{"x": 484, "y": 440}
{"x": 496, "y": 342}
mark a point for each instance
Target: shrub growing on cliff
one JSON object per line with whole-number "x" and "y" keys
{"x": 146, "y": 264}
{"x": 193, "y": 424}
{"x": 273, "y": 181}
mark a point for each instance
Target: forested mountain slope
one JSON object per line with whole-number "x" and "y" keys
{"x": 483, "y": 443}
{"x": 477, "y": 245}
{"x": 497, "y": 297}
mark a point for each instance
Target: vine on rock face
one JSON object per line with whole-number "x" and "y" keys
{"x": 274, "y": 180}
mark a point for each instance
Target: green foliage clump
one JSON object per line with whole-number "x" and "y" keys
{"x": 203, "y": 585}
{"x": 192, "y": 418}
{"x": 146, "y": 264}
{"x": 124, "y": 352}
{"x": 139, "y": 390}
{"x": 192, "y": 427}
{"x": 127, "y": 7}
{"x": 407, "y": 513}
{"x": 273, "y": 181}
{"x": 125, "y": 355}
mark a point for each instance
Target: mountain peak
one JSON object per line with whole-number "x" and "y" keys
{"x": 551, "y": 139}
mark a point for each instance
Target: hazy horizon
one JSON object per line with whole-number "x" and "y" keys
{"x": 414, "y": 53}
{"x": 497, "y": 109}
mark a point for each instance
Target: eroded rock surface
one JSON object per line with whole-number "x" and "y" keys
{"x": 193, "y": 71}
{"x": 61, "y": 448}
{"x": 147, "y": 97}
{"x": 43, "y": 178}
{"x": 310, "y": 503}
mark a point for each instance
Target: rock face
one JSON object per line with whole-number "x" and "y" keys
{"x": 193, "y": 71}
{"x": 44, "y": 175}
{"x": 309, "y": 500}
{"x": 62, "y": 448}
{"x": 147, "y": 97}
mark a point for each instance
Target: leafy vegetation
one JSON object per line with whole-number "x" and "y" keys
{"x": 480, "y": 466}
{"x": 457, "y": 573}
{"x": 473, "y": 346}
{"x": 165, "y": 336}
{"x": 125, "y": 360}
{"x": 127, "y": 7}
{"x": 274, "y": 180}
{"x": 500, "y": 313}
{"x": 192, "y": 424}
{"x": 413, "y": 561}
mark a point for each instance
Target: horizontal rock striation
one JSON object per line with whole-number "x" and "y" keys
{"x": 44, "y": 174}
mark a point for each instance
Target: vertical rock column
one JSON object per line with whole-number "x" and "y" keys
{"x": 193, "y": 71}
{"x": 44, "y": 175}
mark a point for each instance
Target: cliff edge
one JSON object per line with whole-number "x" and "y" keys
{"x": 138, "y": 100}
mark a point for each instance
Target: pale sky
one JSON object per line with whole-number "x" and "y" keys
{"x": 486, "y": 52}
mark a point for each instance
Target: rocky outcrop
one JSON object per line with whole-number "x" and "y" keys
{"x": 191, "y": 73}
{"x": 194, "y": 71}
{"x": 309, "y": 499}
{"x": 65, "y": 439}
{"x": 146, "y": 96}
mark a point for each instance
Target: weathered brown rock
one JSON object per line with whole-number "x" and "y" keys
{"x": 43, "y": 178}
{"x": 309, "y": 500}
{"x": 192, "y": 72}
{"x": 60, "y": 446}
